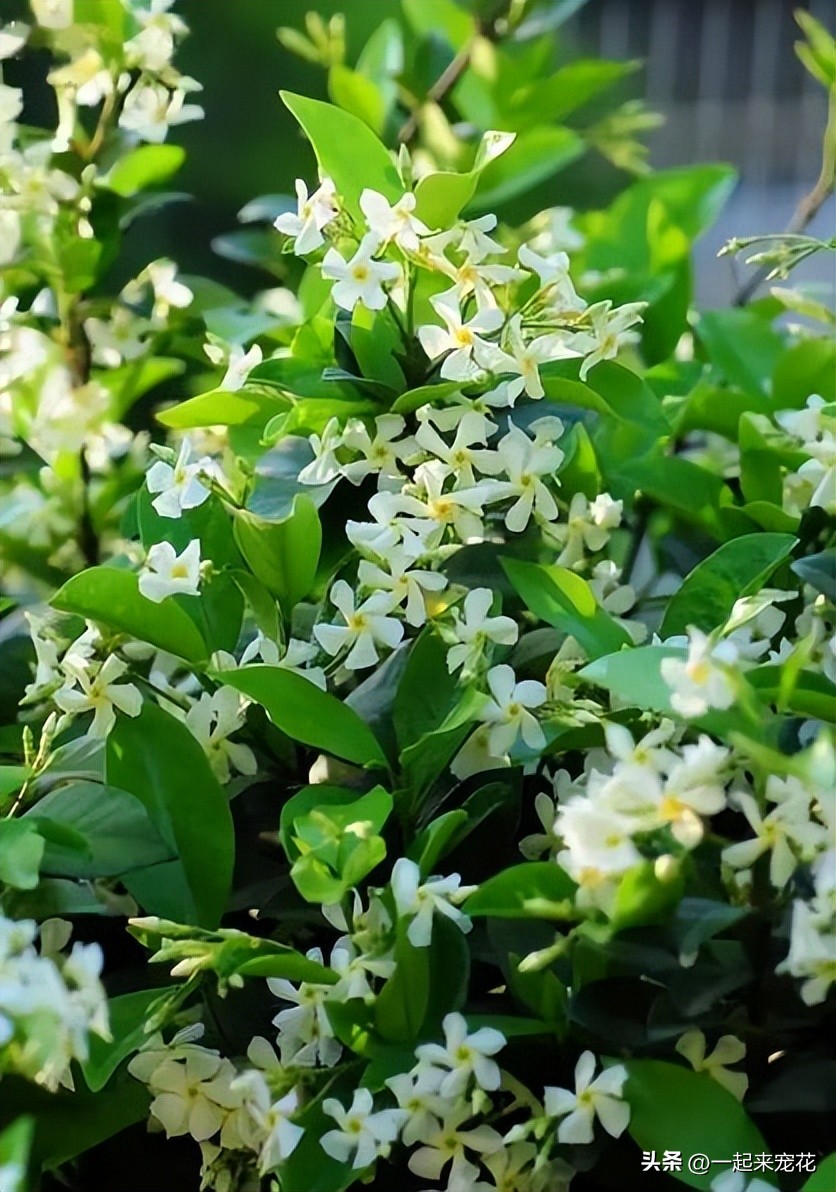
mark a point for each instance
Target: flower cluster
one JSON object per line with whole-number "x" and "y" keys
{"x": 51, "y": 1002}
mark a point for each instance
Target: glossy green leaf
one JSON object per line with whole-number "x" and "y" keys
{"x": 560, "y": 597}
{"x": 284, "y": 554}
{"x": 21, "y": 850}
{"x": 111, "y": 597}
{"x": 674, "y": 1108}
{"x": 246, "y": 407}
{"x": 156, "y": 758}
{"x": 534, "y": 890}
{"x": 737, "y": 568}
{"x": 127, "y": 1016}
{"x": 147, "y": 165}
{"x": 306, "y": 714}
{"x": 340, "y": 140}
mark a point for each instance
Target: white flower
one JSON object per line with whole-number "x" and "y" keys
{"x": 476, "y": 628}
{"x": 100, "y": 692}
{"x": 168, "y": 574}
{"x": 382, "y": 454}
{"x": 239, "y": 366}
{"x": 555, "y": 282}
{"x": 362, "y": 278}
{"x": 448, "y": 1068}
{"x": 475, "y": 242}
{"x": 807, "y": 425}
{"x": 324, "y": 467}
{"x": 424, "y": 1108}
{"x": 179, "y": 486}
{"x": 53, "y": 14}
{"x": 407, "y": 587}
{"x": 412, "y": 897}
{"x": 786, "y": 825}
{"x": 150, "y": 109}
{"x": 507, "y": 712}
{"x": 703, "y": 680}
{"x": 193, "y": 1095}
{"x": 524, "y": 462}
{"x": 811, "y": 954}
{"x": 313, "y": 213}
{"x": 449, "y": 1144}
{"x": 398, "y": 222}
{"x": 458, "y": 338}
{"x": 168, "y": 291}
{"x": 604, "y": 338}
{"x": 367, "y": 627}
{"x": 598, "y": 840}
{"x": 212, "y": 720}
{"x": 457, "y": 457}
{"x": 729, "y": 1050}
{"x": 278, "y": 1137}
{"x": 521, "y": 359}
{"x": 361, "y": 1132}
{"x": 599, "y": 1098}
{"x": 588, "y": 525}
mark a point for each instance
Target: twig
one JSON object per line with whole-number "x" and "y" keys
{"x": 809, "y": 205}
{"x": 443, "y": 85}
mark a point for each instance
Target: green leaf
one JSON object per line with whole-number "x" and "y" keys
{"x": 15, "y": 1145}
{"x": 674, "y": 1108}
{"x": 567, "y": 89}
{"x": 156, "y": 758}
{"x": 560, "y": 597}
{"x": 306, "y": 714}
{"x": 737, "y": 568}
{"x": 823, "y": 1178}
{"x": 246, "y": 407}
{"x": 807, "y": 367}
{"x": 283, "y": 554}
{"x": 431, "y": 18}
{"x": 149, "y": 165}
{"x": 533, "y": 890}
{"x": 535, "y": 156}
{"x": 819, "y": 571}
{"x": 12, "y": 779}
{"x": 21, "y": 850}
{"x": 376, "y": 806}
{"x": 340, "y": 141}
{"x": 127, "y": 1016}
{"x": 436, "y": 840}
{"x": 358, "y": 95}
{"x": 644, "y": 896}
{"x": 743, "y": 346}
{"x": 401, "y": 1005}
{"x": 69, "y": 1123}
{"x": 114, "y": 825}
{"x": 427, "y": 691}
{"x": 111, "y": 597}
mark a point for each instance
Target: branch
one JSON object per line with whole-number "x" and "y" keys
{"x": 809, "y": 206}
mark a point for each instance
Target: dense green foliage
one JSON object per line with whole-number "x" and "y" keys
{"x": 435, "y": 659}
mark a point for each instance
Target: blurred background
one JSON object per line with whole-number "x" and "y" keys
{"x": 722, "y": 73}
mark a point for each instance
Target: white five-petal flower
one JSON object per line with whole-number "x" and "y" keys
{"x": 599, "y": 1098}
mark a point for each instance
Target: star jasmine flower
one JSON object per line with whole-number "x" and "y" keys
{"x": 475, "y": 242}
{"x": 460, "y": 508}
{"x": 597, "y": 840}
{"x": 449, "y": 1068}
{"x": 588, "y": 525}
{"x": 521, "y": 359}
{"x": 362, "y": 278}
{"x": 471, "y": 277}
{"x": 729, "y": 1050}
{"x": 325, "y": 466}
{"x": 599, "y": 1098}
{"x": 407, "y": 587}
{"x": 450, "y": 1144}
{"x": 361, "y": 1133}
{"x": 424, "y": 1108}
{"x": 305, "y": 1036}
{"x": 193, "y": 1095}
{"x": 239, "y": 366}
{"x": 811, "y": 953}
{"x": 704, "y": 679}
{"x": 150, "y": 109}
{"x": 475, "y": 629}
{"x": 296, "y": 657}
{"x": 787, "y": 825}
{"x": 456, "y": 457}
{"x": 382, "y": 455}
{"x": 179, "y": 486}
{"x": 507, "y": 712}
{"x": 168, "y": 574}
{"x": 422, "y": 900}
{"x": 367, "y": 627}
{"x": 457, "y": 340}
{"x": 388, "y": 530}
{"x": 100, "y": 692}
{"x": 313, "y": 213}
{"x": 603, "y": 341}
{"x": 396, "y": 222}
{"x": 277, "y": 1136}
{"x": 524, "y": 462}
{"x": 212, "y": 720}
{"x": 555, "y": 282}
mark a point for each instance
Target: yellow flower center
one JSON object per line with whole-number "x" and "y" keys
{"x": 360, "y": 272}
